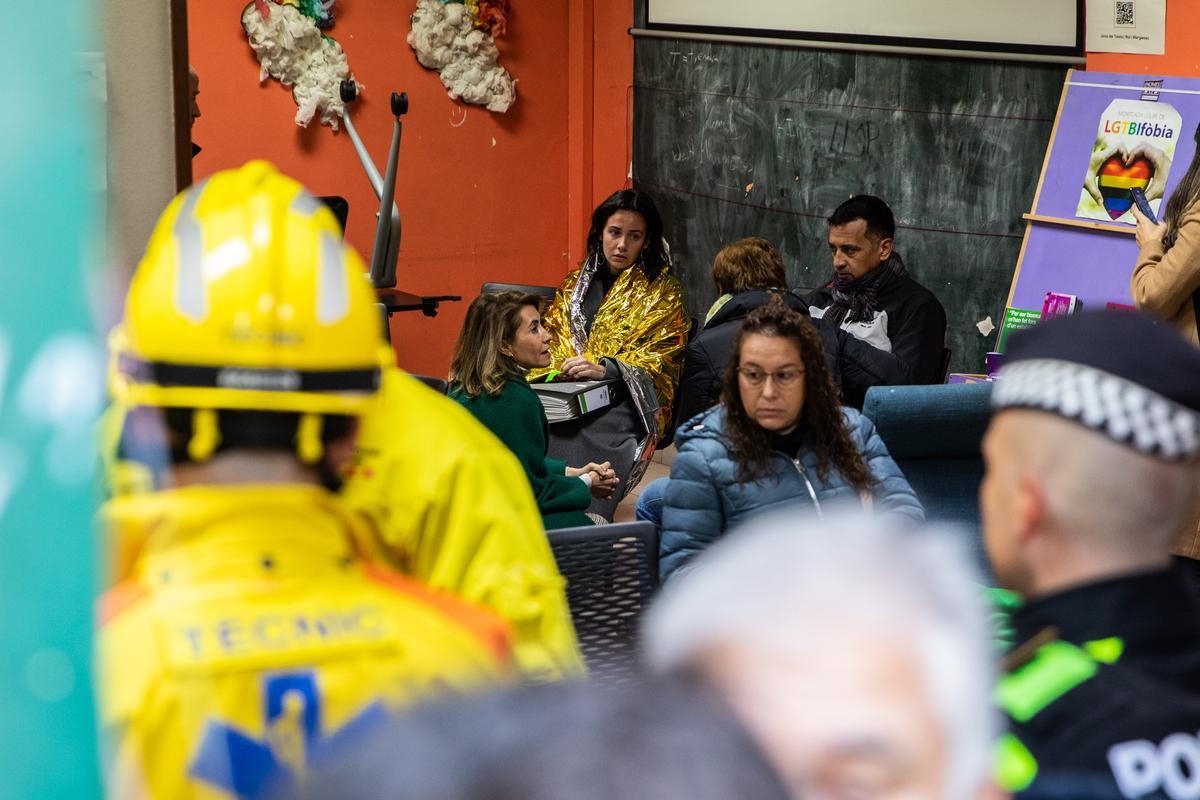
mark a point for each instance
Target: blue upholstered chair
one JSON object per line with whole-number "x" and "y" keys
{"x": 935, "y": 434}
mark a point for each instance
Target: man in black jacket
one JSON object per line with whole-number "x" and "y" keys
{"x": 881, "y": 327}
{"x": 747, "y": 273}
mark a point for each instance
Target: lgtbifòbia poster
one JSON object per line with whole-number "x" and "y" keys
{"x": 1134, "y": 147}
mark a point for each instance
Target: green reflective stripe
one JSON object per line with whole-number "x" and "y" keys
{"x": 1106, "y": 651}
{"x": 1057, "y": 668}
{"x": 1002, "y": 604}
{"x": 1003, "y": 598}
{"x": 1015, "y": 765}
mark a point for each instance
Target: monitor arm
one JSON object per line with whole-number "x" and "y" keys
{"x": 387, "y": 227}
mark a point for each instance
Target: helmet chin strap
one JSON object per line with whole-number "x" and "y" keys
{"x": 206, "y": 434}
{"x": 308, "y": 438}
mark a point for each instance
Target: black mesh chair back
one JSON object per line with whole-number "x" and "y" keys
{"x": 611, "y": 572}
{"x": 437, "y": 384}
{"x": 339, "y": 206}
{"x": 541, "y": 291}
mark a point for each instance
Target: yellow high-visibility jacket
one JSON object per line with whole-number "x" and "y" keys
{"x": 456, "y": 511}
{"x": 252, "y": 636}
{"x": 452, "y": 504}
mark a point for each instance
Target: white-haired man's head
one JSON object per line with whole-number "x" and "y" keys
{"x": 857, "y": 652}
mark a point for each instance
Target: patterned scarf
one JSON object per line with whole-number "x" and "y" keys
{"x": 857, "y": 300}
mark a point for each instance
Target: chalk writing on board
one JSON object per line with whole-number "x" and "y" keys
{"x": 682, "y": 152}
{"x": 853, "y": 138}
{"x": 692, "y": 57}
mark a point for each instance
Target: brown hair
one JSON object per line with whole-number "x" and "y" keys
{"x": 822, "y": 414}
{"x": 748, "y": 264}
{"x": 1186, "y": 195}
{"x": 478, "y": 366}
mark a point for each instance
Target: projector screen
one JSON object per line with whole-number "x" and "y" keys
{"x": 1049, "y": 27}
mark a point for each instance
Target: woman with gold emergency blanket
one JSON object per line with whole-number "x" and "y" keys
{"x": 251, "y": 634}
{"x": 620, "y": 316}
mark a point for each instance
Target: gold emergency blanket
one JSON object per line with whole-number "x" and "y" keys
{"x": 642, "y": 323}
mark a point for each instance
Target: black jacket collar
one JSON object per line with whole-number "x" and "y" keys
{"x": 740, "y": 305}
{"x": 1145, "y": 609}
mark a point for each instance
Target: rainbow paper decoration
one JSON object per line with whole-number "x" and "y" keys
{"x": 1117, "y": 179}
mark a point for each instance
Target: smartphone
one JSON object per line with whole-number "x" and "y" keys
{"x": 1139, "y": 197}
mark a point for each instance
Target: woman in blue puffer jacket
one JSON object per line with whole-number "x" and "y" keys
{"x": 779, "y": 438}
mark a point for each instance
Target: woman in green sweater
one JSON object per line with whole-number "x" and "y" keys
{"x": 502, "y": 339}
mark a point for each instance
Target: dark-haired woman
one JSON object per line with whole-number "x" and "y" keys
{"x": 778, "y": 439}
{"x": 1166, "y": 279}
{"x": 620, "y": 315}
{"x": 502, "y": 338}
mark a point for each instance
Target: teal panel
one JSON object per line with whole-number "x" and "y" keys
{"x": 51, "y": 381}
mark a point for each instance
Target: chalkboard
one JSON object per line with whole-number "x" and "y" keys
{"x": 735, "y": 140}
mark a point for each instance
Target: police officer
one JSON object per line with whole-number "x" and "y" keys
{"x": 1091, "y": 476}
{"x": 251, "y": 635}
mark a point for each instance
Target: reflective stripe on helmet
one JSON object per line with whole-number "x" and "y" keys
{"x": 333, "y": 292}
{"x": 190, "y": 297}
{"x": 306, "y": 204}
{"x": 333, "y": 297}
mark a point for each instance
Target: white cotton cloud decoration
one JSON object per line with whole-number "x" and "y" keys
{"x": 291, "y": 49}
{"x": 444, "y": 38}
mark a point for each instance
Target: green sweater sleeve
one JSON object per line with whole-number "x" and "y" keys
{"x": 517, "y": 418}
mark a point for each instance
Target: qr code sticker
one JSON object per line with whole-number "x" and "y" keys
{"x": 1123, "y": 12}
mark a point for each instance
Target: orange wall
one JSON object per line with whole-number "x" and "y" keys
{"x": 601, "y": 110}
{"x": 482, "y": 196}
{"x": 612, "y": 117}
{"x": 1181, "y": 56}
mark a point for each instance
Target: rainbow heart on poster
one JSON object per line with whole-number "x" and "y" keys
{"x": 1117, "y": 179}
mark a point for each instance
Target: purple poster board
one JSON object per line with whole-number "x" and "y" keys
{"x": 1075, "y": 244}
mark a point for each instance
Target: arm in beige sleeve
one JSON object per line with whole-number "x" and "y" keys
{"x": 1163, "y": 282}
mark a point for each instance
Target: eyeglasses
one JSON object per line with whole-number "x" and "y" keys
{"x": 784, "y": 378}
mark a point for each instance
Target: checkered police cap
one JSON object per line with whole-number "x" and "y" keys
{"x": 1124, "y": 375}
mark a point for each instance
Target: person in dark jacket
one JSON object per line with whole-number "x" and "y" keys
{"x": 778, "y": 439}
{"x": 881, "y": 327}
{"x": 747, "y": 273}
{"x": 502, "y": 337}
{"x": 1092, "y": 473}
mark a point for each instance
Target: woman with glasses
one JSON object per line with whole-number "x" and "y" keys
{"x": 779, "y": 438}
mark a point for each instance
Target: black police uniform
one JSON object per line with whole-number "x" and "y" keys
{"x": 1103, "y": 690}
{"x": 1103, "y": 693}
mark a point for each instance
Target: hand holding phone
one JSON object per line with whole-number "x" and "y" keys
{"x": 1139, "y": 198}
